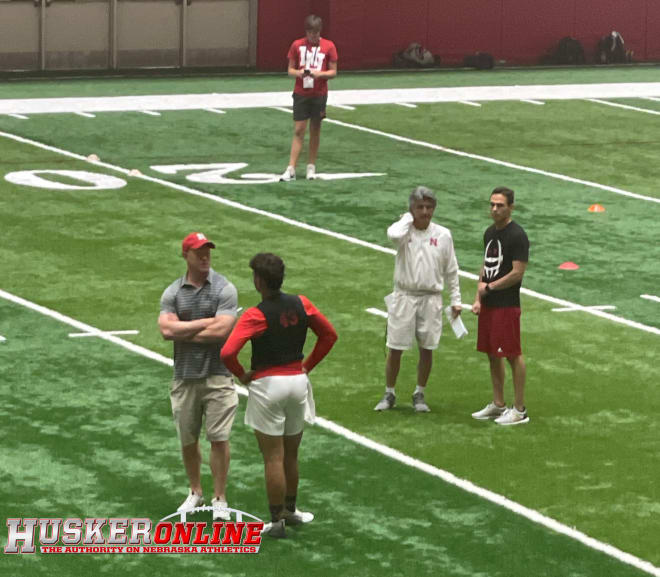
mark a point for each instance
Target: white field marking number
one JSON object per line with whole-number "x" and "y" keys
{"x": 215, "y": 173}
{"x": 89, "y": 180}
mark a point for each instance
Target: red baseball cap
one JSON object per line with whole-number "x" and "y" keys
{"x": 195, "y": 240}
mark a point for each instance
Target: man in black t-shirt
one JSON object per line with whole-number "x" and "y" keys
{"x": 497, "y": 302}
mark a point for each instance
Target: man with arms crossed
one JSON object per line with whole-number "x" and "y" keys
{"x": 312, "y": 62}
{"x": 425, "y": 262}
{"x": 497, "y": 303}
{"x": 197, "y": 312}
{"x": 279, "y": 387}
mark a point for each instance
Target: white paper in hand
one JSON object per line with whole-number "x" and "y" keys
{"x": 456, "y": 324}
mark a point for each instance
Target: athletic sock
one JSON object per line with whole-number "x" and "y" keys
{"x": 276, "y": 512}
{"x": 290, "y": 501}
{"x": 390, "y": 390}
{"x": 419, "y": 389}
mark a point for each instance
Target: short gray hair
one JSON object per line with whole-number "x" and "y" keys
{"x": 421, "y": 193}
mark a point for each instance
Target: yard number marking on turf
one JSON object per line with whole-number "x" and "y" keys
{"x": 323, "y": 231}
{"x": 446, "y": 476}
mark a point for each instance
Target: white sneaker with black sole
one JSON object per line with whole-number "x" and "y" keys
{"x": 311, "y": 172}
{"x": 513, "y": 416}
{"x": 288, "y": 175}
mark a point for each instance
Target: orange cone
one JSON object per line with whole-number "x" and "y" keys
{"x": 596, "y": 208}
{"x": 568, "y": 265}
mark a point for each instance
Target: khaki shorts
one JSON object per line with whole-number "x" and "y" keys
{"x": 418, "y": 316}
{"x": 213, "y": 397}
{"x": 277, "y": 404}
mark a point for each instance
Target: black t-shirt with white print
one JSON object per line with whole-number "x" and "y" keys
{"x": 501, "y": 248}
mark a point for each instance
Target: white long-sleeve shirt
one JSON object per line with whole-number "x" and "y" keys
{"x": 425, "y": 259}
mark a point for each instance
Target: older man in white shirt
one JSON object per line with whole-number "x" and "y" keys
{"x": 425, "y": 263}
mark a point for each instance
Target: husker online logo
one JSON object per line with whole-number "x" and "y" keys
{"x": 134, "y": 535}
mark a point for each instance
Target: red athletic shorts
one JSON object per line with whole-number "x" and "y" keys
{"x": 499, "y": 331}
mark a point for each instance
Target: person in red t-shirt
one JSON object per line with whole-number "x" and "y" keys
{"x": 280, "y": 397}
{"x": 312, "y": 61}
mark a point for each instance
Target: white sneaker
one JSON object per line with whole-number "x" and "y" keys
{"x": 275, "y": 530}
{"x": 297, "y": 517}
{"x": 192, "y": 500}
{"x": 311, "y": 172}
{"x": 220, "y": 512}
{"x": 387, "y": 402}
{"x": 490, "y": 411}
{"x": 288, "y": 175}
{"x": 513, "y": 416}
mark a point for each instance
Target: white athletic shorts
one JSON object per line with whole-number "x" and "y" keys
{"x": 410, "y": 315}
{"x": 280, "y": 404}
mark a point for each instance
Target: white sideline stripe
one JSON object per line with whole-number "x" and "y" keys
{"x": 131, "y": 332}
{"x": 342, "y": 97}
{"x": 469, "y": 487}
{"x": 446, "y": 476}
{"x": 593, "y": 308}
{"x": 304, "y": 226}
{"x": 377, "y": 312}
{"x": 85, "y": 114}
{"x": 19, "y": 116}
{"x": 651, "y": 298}
{"x": 626, "y": 106}
{"x": 150, "y": 112}
{"x": 215, "y": 110}
{"x": 494, "y": 161}
{"x": 469, "y": 103}
{"x": 406, "y": 104}
{"x": 537, "y": 102}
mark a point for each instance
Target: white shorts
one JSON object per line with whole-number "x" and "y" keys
{"x": 413, "y": 315}
{"x": 278, "y": 405}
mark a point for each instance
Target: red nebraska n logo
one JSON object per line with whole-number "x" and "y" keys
{"x": 434, "y": 242}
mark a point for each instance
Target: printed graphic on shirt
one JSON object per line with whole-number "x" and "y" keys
{"x": 493, "y": 259}
{"x": 311, "y": 59}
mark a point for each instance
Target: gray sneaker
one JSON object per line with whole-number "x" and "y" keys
{"x": 387, "y": 402}
{"x": 419, "y": 404}
{"x": 490, "y": 411}
{"x": 275, "y": 529}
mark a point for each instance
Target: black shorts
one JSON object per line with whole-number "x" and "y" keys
{"x": 305, "y": 107}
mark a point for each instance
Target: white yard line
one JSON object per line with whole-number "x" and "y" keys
{"x": 376, "y": 312}
{"x": 446, "y": 476}
{"x": 343, "y": 106}
{"x": 319, "y": 230}
{"x": 406, "y": 104}
{"x": 651, "y": 298}
{"x": 85, "y": 114}
{"x": 215, "y": 110}
{"x": 626, "y": 106}
{"x": 469, "y": 103}
{"x": 537, "y": 102}
{"x": 2, "y": 339}
{"x": 19, "y": 116}
{"x": 150, "y": 112}
{"x": 97, "y": 334}
{"x": 593, "y": 308}
{"x": 493, "y": 161}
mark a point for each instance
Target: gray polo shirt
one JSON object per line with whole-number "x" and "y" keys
{"x": 216, "y": 297}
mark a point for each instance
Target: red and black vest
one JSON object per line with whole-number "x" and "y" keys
{"x": 284, "y": 339}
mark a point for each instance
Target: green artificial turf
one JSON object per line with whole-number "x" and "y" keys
{"x": 589, "y": 457}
